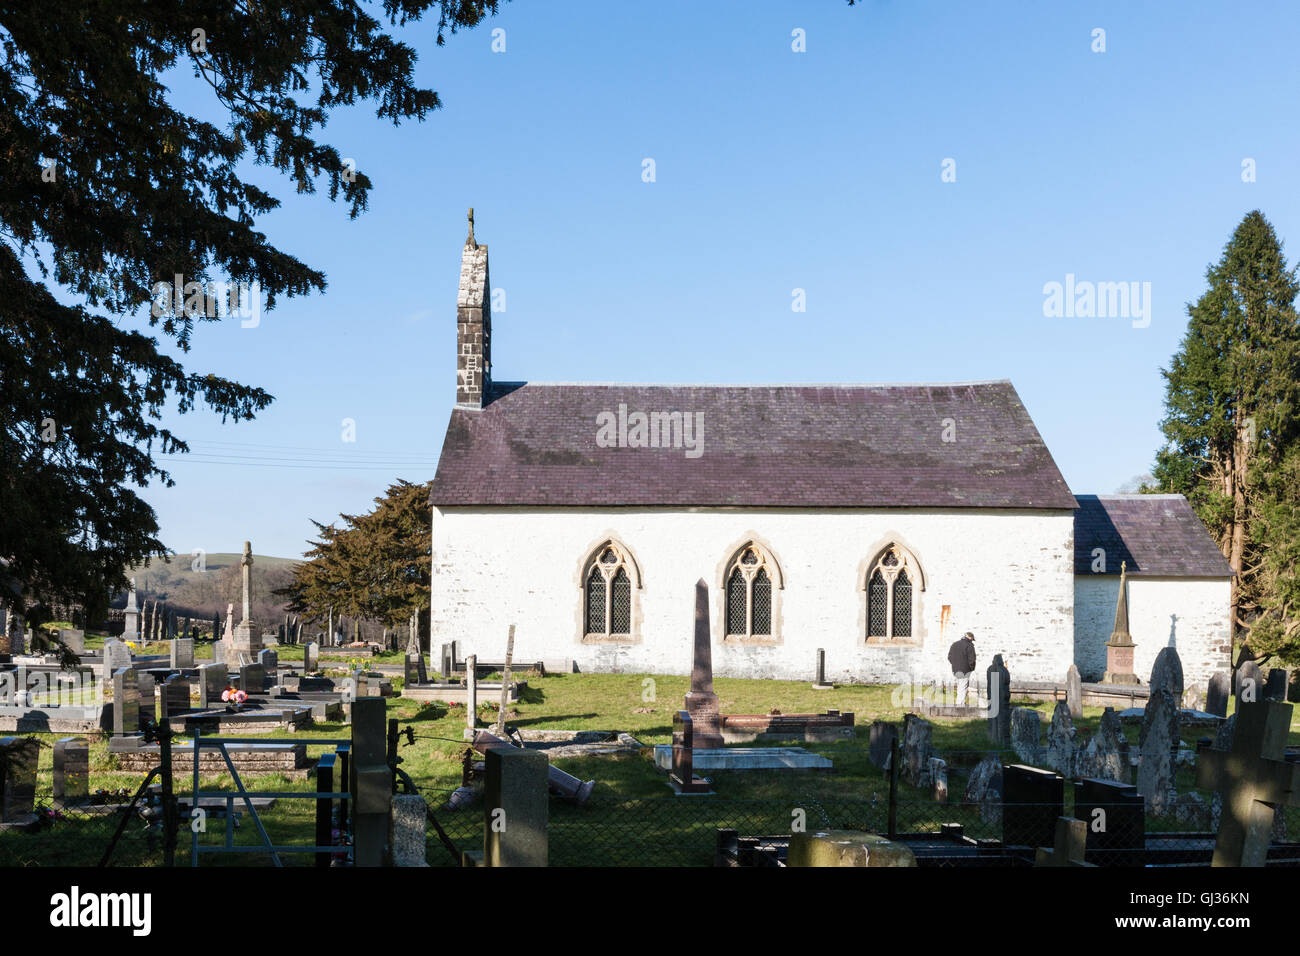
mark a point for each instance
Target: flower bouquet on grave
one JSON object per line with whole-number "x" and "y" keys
{"x": 235, "y": 698}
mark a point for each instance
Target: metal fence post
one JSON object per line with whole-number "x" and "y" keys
{"x": 324, "y": 807}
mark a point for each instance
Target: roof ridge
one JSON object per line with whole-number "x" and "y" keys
{"x": 990, "y": 381}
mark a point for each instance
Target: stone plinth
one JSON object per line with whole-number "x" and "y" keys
{"x": 246, "y": 639}
{"x": 846, "y": 848}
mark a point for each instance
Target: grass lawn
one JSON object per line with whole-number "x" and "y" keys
{"x": 633, "y": 817}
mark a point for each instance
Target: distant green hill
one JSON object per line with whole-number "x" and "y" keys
{"x": 204, "y": 593}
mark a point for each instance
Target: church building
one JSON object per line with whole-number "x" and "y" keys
{"x": 877, "y": 521}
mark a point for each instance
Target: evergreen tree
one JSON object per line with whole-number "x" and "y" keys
{"x": 106, "y": 190}
{"x": 375, "y": 567}
{"x": 1231, "y": 428}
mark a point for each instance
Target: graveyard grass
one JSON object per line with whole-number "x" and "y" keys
{"x": 630, "y": 792}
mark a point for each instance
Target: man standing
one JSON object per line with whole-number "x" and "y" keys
{"x": 962, "y": 658}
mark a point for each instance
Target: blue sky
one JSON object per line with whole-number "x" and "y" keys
{"x": 774, "y": 170}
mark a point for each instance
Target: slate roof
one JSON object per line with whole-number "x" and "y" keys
{"x": 1158, "y": 535}
{"x": 763, "y": 446}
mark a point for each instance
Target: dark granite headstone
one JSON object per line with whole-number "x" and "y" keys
{"x": 148, "y": 698}
{"x": 19, "y": 757}
{"x": 213, "y": 679}
{"x": 72, "y": 771}
{"x": 1216, "y": 694}
{"x": 881, "y": 744}
{"x": 270, "y": 661}
{"x": 683, "y": 777}
{"x": 1032, "y": 799}
{"x": 126, "y": 702}
{"x": 175, "y": 696}
{"x": 421, "y": 670}
{"x": 1250, "y": 684}
{"x": 411, "y": 670}
{"x": 999, "y": 688}
{"x": 1275, "y": 684}
{"x": 1116, "y": 819}
{"x": 252, "y": 679}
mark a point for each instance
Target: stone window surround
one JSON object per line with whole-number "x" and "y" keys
{"x": 768, "y": 561}
{"x": 627, "y": 561}
{"x": 916, "y": 575}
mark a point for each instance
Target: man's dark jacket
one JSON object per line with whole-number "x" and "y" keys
{"x": 962, "y": 656}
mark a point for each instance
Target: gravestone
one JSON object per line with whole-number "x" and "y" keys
{"x": 1254, "y": 779}
{"x": 1250, "y": 684}
{"x": 311, "y": 656}
{"x": 421, "y": 671}
{"x": 148, "y": 699}
{"x": 411, "y": 670}
{"x": 116, "y": 655}
{"x": 1059, "y": 754}
{"x": 213, "y": 680}
{"x": 1167, "y": 674}
{"x": 407, "y": 829}
{"x": 999, "y": 687}
{"x": 252, "y": 679}
{"x": 937, "y": 770}
{"x": 1216, "y": 694}
{"x": 182, "y": 653}
{"x": 1032, "y": 799}
{"x": 1120, "y": 648}
{"x": 1156, "y": 744}
{"x": 984, "y": 788}
{"x": 515, "y": 790}
{"x": 881, "y": 745}
{"x": 1026, "y": 733}
{"x": 1074, "y": 692}
{"x": 270, "y": 661}
{"x": 219, "y": 652}
{"x": 131, "y": 617}
{"x": 126, "y": 702}
{"x": 1104, "y": 757}
{"x": 471, "y": 695}
{"x": 1121, "y": 824}
{"x": 915, "y": 753}
{"x": 74, "y": 639}
{"x": 701, "y": 701}
{"x": 372, "y": 782}
{"x": 1275, "y": 684}
{"x": 682, "y": 778}
{"x": 1069, "y": 845}
{"x": 175, "y": 696}
{"x": 819, "y": 681}
{"x": 72, "y": 771}
{"x": 19, "y": 757}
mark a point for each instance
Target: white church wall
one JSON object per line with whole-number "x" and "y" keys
{"x": 1189, "y": 613}
{"x": 1006, "y": 576}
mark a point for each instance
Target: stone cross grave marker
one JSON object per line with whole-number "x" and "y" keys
{"x": 1254, "y": 780}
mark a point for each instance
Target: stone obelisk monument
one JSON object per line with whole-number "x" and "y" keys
{"x": 1119, "y": 649}
{"x": 702, "y": 702}
{"x": 247, "y": 638}
{"x": 131, "y": 617}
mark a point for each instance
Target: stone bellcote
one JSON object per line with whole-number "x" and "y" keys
{"x": 473, "y": 324}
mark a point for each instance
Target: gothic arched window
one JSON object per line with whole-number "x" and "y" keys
{"x": 608, "y": 582}
{"x": 891, "y": 595}
{"x": 749, "y": 610}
